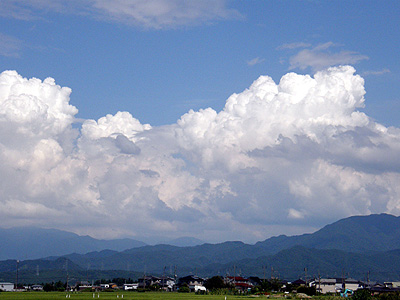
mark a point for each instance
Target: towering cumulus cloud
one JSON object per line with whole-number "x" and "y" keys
{"x": 279, "y": 158}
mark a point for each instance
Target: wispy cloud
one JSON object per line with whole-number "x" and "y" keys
{"x": 322, "y": 56}
{"x": 151, "y": 14}
{"x": 158, "y": 14}
{"x": 10, "y": 46}
{"x": 33, "y": 9}
{"x": 376, "y": 73}
{"x": 255, "y": 61}
{"x": 294, "y": 46}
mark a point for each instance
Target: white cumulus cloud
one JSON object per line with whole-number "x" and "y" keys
{"x": 279, "y": 158}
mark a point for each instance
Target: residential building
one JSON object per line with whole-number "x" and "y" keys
{"x": 37, "y": 287}
{"x": 325, "y": 285}
{"x": 195, "y": 283}
{"x": 167, "y": 283}
{"x": 147, "y": 281}
{"x": 6, "y": 286}
{"x": 240, "y": 283}
{"x": 335, "y": 285}
{"x": 130, "y": 286}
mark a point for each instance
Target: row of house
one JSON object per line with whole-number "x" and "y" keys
{"x": 196, "y": 284}
{"x": 10, "y": 287}
{"x": 335, "y": 285}
{"x": 242, "y": 284}
{"x": 165, "y": 283}
{"x": 341, "y": 285}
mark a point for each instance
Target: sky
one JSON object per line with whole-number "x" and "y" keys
{"x": 219, "y": 120}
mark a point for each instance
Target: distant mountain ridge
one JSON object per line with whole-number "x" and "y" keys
{"x": 32, "y": 243}
{"x": 376, "y": 232}
{"x": 357, "y": 245}
{"x": 358, "y": 236}
{"x": 184, "y": 241}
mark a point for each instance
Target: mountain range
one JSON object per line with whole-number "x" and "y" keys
{"x": 350, "y": 247}
{"x": 31, "y": 243}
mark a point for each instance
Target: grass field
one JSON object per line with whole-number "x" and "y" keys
{"x": 114, "y": 296}
{"x": 128, "y": 296}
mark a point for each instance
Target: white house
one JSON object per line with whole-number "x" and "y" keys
{"x": 351, "y": 284}
{"x": 130, "y": 286}
{"x": 325, "y": 285}
{"x": 197, "y": 288}
{"x": 6, "y": 286}
{"x": 335, "y": 285}
{"x": 37, "y": 287}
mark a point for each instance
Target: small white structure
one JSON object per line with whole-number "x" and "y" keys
{"x": 6, "y": 286}
{"x": 394, "y": 284}
{"x": 197, "y": 288}
{"x": 335, "y": 285}
{"x": 130, "y": 286}
{"x": 325, "y": 285}
{"x": 351, "y": 284}
{"x": 37, "y": 287}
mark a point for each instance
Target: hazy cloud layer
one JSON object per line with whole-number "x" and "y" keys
{"x": 376, "y": 73}
{"x": 10, "y": 46}
{"x": 321, "y": 56}
{"x": 153, "y": 14}
{"x": 294, "y": 46}
{"x": 279, "y": 158}
{"x": 255, "y": 61}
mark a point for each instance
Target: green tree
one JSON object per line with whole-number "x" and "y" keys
{"x": 271, "y": 285}
{"x": 389, "y": 296}
{"x": 214, "y": 283}
{"x": 310, "y": 291}
{"x": 48, "y": 287}
{"x": 362, "y": 294}
{"x": 59, "y": 286}
{"x": 184, "y": 288}
{"x": 155, "y": 287}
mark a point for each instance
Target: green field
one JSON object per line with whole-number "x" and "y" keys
{"x": 130, "y": 296}
{"x": 114, "y": 295}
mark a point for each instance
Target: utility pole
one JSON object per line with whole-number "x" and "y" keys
{"x": 16, "y": 281}
{"x": 264, "y": 272}
{"x": 234, "y": 275}
{"x": 175, "y": 276}
{"x": 319, "y": 282}
{"x": 37, "y": 274}
{"x": 163, "y": 279}
{"x": 66, "y": 261}
{"x": 343, "y": 281}
{"x": 305, "y": 274}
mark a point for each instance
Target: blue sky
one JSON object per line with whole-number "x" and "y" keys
{"x": 221, "y": 120}
{"x": 158, "y": 72}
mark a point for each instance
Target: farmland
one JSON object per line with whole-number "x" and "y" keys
{"x": 128, "y": 296}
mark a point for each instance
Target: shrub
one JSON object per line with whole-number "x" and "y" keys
{"x": 389, "y": 296}
{"x": 310, "y": 291}
{"x": 362, "y": 294}
{"x": 184, "y": 289}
